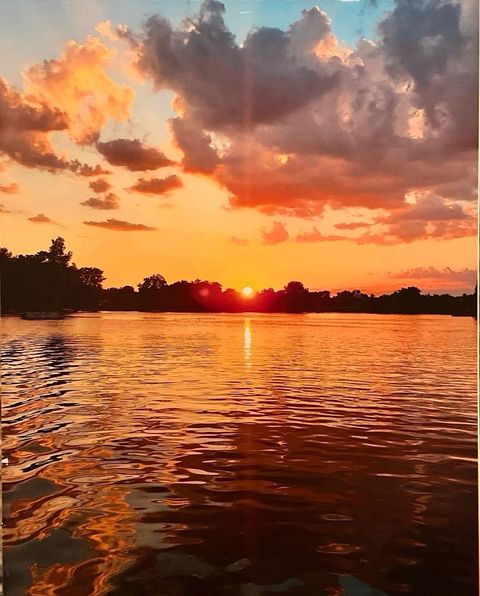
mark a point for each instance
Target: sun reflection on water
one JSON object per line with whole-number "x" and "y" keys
{"x": 247, "y": 343}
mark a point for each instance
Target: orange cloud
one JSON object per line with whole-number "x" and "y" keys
{"x": 316, "y": 236}
{"x": 100, "y": 185}
{"x": 277, "y": 234}
{"x": 41, "y": 218}
{"x": 111, "y": 201}
{"x": 26, "y": 123}
{"x": 24, "y": 127}
{"x": 106, "y": 29}
{"x": 439, "y": 279}
{"x": 156, "y": 186}
{"x": 354, "y": 225}
{"x": 77, "y": 86}
{"x": 239, "y": 241}
{"x": 10, "y": 189}
{"x": 118, "y": 225}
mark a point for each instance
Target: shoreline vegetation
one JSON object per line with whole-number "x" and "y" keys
{"x": 49, "y": 281}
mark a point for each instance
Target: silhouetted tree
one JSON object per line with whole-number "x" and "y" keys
{"x": 152, "y": 283}
{"x": 85, "y": 287}
{"x": 124, "y": 298}
{"x": 57, "y": 254}
{"x": 295, "y": 297}
{"x": 91, "y": 277}
{"x": 47, "y": 280}
{"x": 351, "y": 300}
{"x": 150, "y": 292}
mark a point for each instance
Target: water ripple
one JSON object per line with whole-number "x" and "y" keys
{"x": 224, "y": 453}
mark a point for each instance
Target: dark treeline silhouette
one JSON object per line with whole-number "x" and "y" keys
{"x": 48, "y": 281}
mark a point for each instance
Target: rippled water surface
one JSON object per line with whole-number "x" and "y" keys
{"x": 184, "y": 454}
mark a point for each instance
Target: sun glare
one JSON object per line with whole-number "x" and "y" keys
{"x": 247, "y": 292}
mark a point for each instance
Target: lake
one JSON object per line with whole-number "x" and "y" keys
{"x": 184, "y": 454}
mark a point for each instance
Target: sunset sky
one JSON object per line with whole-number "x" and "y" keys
{"x": 249, "y": 142}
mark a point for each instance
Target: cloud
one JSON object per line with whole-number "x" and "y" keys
{"x": 3, "y": 209}
{"x": 24, "y": 113}
{"x": 41, "y": 218}
{"x": 118, "y": 225}
{"x": 227, "y": 84}
{"x": 352, "y": 225}
{"x": 133, "y": 155}
{"x": 9, "y": 189}
{"x": 77, "y": 86}
{"x": 106, "y": 29}
{"x": 156, "y": 186}
{"x": 24, "y": 128}
{"x": 290, "y": 121}
{"x": 468, "y": 275}
{"x": 431, "y": 207}
{"x": 110, "y": 201}
{"x": 430, "y": 216}
{"x": 445, "y": 279}
{"x": 100, "y": 185}
{"x": 277, "y": 234}
{"x": 26, "y": 123}
{"x": 88, "y": 171}
{"x": 316, "y": 236}
{"x": 239, "y": 241}
{"x": 410, "y": 231}
{"x": 72, "y": 94}
{"x": 434, "y": 45}
{"x": 198, "y": 153}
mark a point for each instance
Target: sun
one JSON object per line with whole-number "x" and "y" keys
{"x": 247, "y": 292}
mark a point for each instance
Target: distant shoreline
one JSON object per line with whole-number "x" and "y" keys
{"x": 49, "y": 282}
{"x": 256, "y": 312}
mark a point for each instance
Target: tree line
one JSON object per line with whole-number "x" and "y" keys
{"x": 50, "y": 281}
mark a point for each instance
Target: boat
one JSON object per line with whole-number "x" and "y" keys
{"x": 42, "y": 316}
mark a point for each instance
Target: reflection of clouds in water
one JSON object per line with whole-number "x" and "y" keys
{"x": 58, "y": 549}
{"x": 247, "y": 342}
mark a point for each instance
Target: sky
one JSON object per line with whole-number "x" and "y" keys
{"x": 250, "y": 142}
